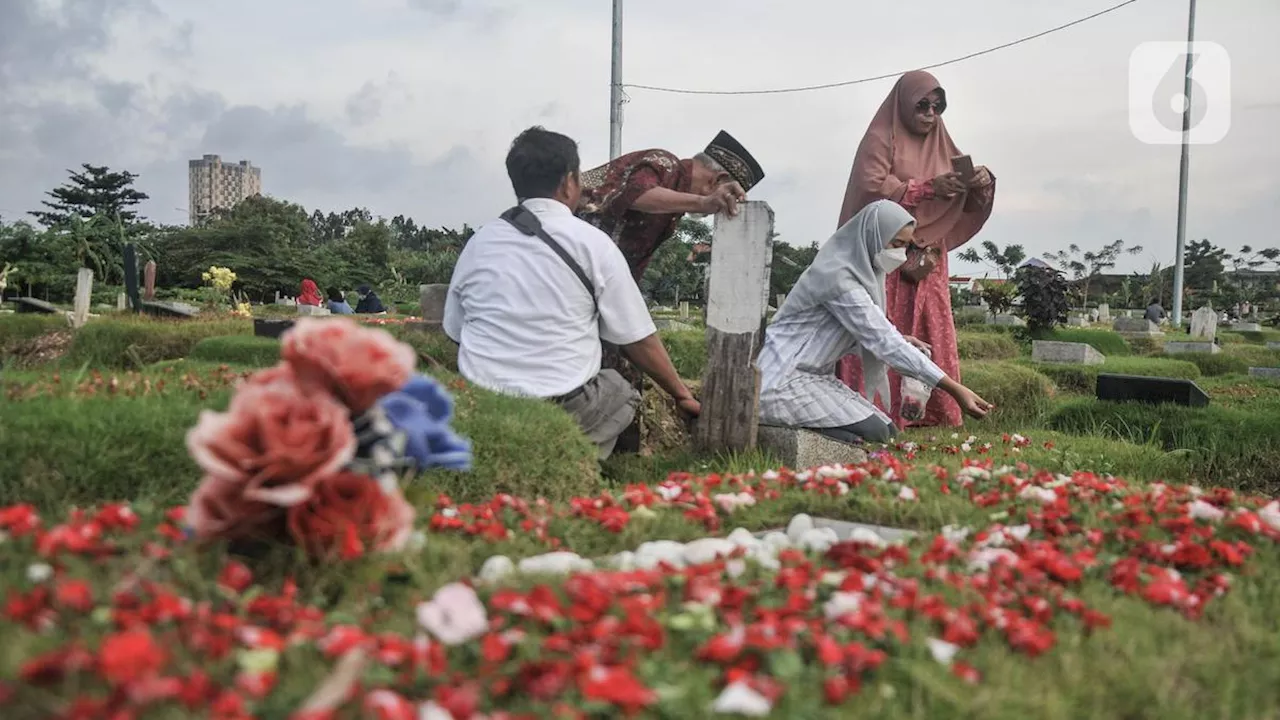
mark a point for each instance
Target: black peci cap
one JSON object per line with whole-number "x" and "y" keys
{"x": 735, "y": 159}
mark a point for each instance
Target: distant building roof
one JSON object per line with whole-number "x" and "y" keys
{"x": 1037, "y": 262}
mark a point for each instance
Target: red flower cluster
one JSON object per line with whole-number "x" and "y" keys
{"x": 114, "y": 622}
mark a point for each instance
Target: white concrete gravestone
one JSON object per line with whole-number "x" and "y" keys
{"x": 1104, "y": 313}
{"x": 1247, "y": 327}
{"x": 684, "y": 310}
{"x": 1184, "y": 347}
{"x": 798, "y": 449}
{"x": 1137, "y": 326}
{"x": 304, "y": 309}
{"x": 84, "y": 292}
{"x": 431, "y": 299}
{"x": 1273, "y": 345}
{"x": 1204, "y": 324}
{"x": 1050, "y": 351}
{"x": 737, "y": 302}
{"x": 122, "y": 302}
{"x": 1269, "y": 373}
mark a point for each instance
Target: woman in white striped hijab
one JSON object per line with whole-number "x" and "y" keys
{"x": 837, "y": 308}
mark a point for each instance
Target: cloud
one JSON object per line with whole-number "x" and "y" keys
{"x": 407, "y": 106}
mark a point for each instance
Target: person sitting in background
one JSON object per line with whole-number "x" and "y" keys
{"x": 370, "y": 303}
{"x": 310, "y": 294}
{"x": 338, "y": 302}
{"x": 838, "y": 308}
{"x": 1155, "y": 312}
{"x": 534, "y": 295}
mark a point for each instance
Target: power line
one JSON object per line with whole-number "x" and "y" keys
{"x": 827, "y": 86}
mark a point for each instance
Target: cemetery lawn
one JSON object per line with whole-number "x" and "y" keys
{"x": 1087, "y": 621}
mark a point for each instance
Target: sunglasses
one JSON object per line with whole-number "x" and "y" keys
{"x": 924, "y": 105}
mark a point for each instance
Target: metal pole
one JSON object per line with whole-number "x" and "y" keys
{"x": 1184, "y": 173}
{"x": 615, "y": 85}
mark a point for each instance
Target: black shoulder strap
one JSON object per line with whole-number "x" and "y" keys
{"x": 526, "y": 222}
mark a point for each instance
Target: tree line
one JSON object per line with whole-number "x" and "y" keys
{"x": 273, "y": 244}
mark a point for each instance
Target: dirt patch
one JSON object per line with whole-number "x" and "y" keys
{"x": 39, "y": 350}
{"x": 662, "y": 428}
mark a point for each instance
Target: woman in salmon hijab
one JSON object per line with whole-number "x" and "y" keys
{"x": 905, "y": 156}
{"x": 310, "y": 293}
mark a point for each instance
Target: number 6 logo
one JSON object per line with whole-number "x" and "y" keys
{"x": 1157, "y": 71}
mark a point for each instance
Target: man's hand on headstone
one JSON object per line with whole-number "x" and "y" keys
{"x": 689, "y": 407}
{"x": 724, "y": 198}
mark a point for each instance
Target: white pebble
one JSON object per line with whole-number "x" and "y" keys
{"x": 700, "y": 552}
{"x": 799, "y": 525}
{"x": 496, "y": 568}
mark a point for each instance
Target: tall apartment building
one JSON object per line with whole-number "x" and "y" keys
{"x": 213, "y": 184}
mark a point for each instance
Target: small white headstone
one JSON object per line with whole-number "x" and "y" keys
{"x": 1104, "y": 313}
{"x": 1204, "y": 324}
{"x": 84, "y": 292}
{"x": 304, "y": 309}
{"x": 779, "y": 299}
{"x": 684, "y": 310}
{"x": 122, "y": 302}
{"x": 1192, "y": 347}
{"x": 1049, "y": 351}
{"x": 431, "y": 300}
{"x": 1269, "y": 373}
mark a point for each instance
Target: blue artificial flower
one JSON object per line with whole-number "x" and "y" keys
{"x": 422, "y": 410}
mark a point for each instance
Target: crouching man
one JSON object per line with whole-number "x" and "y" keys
{"x": 535, "y": 293}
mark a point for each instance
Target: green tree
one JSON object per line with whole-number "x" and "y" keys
{"x": 1004, "y": 261}
{"x": 1085, "y": 265}
{"x": 789, "y": 263}
{"x": 97, "y": 191}
{"x": 670, "y": 275}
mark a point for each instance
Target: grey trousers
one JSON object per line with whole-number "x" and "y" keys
{"x": 604, "y": 407}
{"x": 873, "y": 429}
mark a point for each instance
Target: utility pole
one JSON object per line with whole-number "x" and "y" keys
{"x": 615, "y": 85}
{"x": 1184, "y": 173}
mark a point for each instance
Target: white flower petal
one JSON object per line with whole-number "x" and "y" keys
{"x": 740, "y": 699}
{"x": 942, "y": 650}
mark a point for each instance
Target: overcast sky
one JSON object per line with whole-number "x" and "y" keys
{"x": 408, "y": 106}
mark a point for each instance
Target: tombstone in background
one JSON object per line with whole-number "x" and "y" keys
{"x": 1077, "y": 321}
{"x": 131, "y": 277}
{"x": 1049, "y": 351}
{"x": 1268, "y": 373}
{"x": 684, "y": 310}
{"x": 1247, "y": 327}
{"x": 271, "y": 328}
{"x": 1006, "y": 321}
{"x": 1204, "y": 325}
{"x": 737, "y": 300}
{"x": 149, "y": 281}
{"x": 1131, "y": 388}
{"x": 1104, "y": 313}
{"x": 431, "y": 299}
{"x": 122, "y": 302}
{"x": 1204, "y": 329}
{"x": 1273, "y": 345}
{"x": 170, "y": 309}
{"x": 84, "y": 294}
{"x": 1137, "y": 327}
{"x": 32, "y": 305}
{"x": 779, "y": 299}
{"x": 671, "y": 325}
{"x": 304, "y": 309}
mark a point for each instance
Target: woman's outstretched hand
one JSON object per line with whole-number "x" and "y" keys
{"x": 973, "y": 405}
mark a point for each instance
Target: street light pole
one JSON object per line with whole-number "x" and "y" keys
{"x": 1184, "y": 173}
{"x": 615, "y": 85}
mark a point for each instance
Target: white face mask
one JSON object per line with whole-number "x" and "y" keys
{"x": 890, "y": 259}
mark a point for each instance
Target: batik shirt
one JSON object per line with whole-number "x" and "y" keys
{"x": 609, "y": 191}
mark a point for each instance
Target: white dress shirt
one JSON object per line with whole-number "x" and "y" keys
{"x": 524, "y": 322}
{"x": 798, "y": 385}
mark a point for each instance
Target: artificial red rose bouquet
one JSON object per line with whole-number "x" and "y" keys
{"x": 312, "y": 450}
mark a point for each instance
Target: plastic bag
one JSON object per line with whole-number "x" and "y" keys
{"x": 915, "y": 395}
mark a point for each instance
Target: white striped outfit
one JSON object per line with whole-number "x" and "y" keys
{"x": 798, "y": 384}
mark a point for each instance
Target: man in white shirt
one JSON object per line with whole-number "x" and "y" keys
{"x": 529, "y": 309}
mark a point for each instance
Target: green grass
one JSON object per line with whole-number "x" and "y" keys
{"x": 436, "y": 347}
{"x": 1253, "y": 355}
{"x": 1227, "y": 446}
{"x": 986, "y": 346}
{"x": 135, "y": 342}
{"x": 1108, "y": 343}
{"x": 18, "y": 328}
{"x": 1213, "y": 365}
{"x": 62, "y": 448}
{"x": 1018, "y": 392}
{"x": 245, "y": 350}
{"x": 1258, "y": 337}
{"x": 1083, "y": 378}
{"x": 688, "y": 351}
